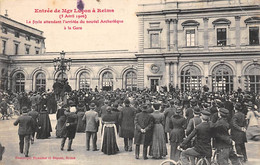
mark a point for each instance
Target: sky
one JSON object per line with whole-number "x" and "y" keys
{"x": 92, "y": 37}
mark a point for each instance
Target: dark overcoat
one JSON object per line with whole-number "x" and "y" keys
{"x": 177, "y": 125}
{"x": 126, "y": 121}
{"x": 238, "y": 121}
{"x": 143, "y": 120}
{"x": 72, "y": 120}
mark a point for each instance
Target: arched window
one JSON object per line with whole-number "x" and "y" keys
{"x": 107, "y": 81}
{"x": 222, "y": 78}
{"x": 40, "y": 83}
{"x": 190, "y": 78}
{"x": 84, "y": 80}
{"x": 252, "y": 78}
{"x": 131, "y": 80}
{"x": 19, "y": 82}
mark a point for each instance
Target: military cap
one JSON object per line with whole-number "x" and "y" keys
{"x": 205, "y": 112}
{"x": 223, "y": 111}
{"x": 92, "y": 105}
{"x": 196, "y": 110}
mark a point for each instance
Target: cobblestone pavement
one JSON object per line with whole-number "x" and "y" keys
{"x": 47, "y": 151}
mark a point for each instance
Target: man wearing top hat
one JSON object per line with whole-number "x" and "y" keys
{"x": 143, "y": 131}
{"x": 223, "y": 142}
{"x": 202, "y": 146}
{"x": 25, "y": 130}
{"x": 92, "y": 124}
{"x": 238, "y": 130}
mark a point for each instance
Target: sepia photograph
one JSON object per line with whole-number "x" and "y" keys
{"x": 130, "y": 82}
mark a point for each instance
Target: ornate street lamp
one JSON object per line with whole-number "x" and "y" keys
{"x": 62, "y": 64}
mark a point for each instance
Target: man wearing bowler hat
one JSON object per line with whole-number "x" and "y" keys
{"x": 202, "y": 146}
{"x": 223, "y": 142}
{"x": 25, "y": 130}
{"x": 143, "y": 131}
{"x": 92, "y": 123}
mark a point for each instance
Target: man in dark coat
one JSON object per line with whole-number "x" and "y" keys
{"x": 35, "y": 115}
{"x": 202, "y": 146}
{"x": 223, "y": 141}
{"x": 168, "y": 114}
{"x": 189, "y": 111}
{"x": 127, "y": 126}
{"x": 70, "y": 129}
{"x": 143, "y": 131}
{"x": 238, "y": 130}
{"x": 25, "y": 130}
{"x": 3, "y": 107}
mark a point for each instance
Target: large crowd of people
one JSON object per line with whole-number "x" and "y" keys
{"x": 197, "y": 121}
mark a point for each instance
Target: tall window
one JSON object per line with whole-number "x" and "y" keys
{"x": 252, "y": 78}
{"x": 254, "y": 35}
{"x": 17, "y": 34}
{"x": 222, "y": 78}
{"x": 40, "y": 82}
{"x": 190, "y": 37}
{"x": 84, "y": 80}
{"x": 154, "y": 40}
{"x": 190, "y": 78}
{"x": 3, "y": 46}
{"x": 19, "y": 82}
{"x": 27, "y": 49}
{"x": 16, "y": 48}
{"x": 107, "y": 81}
{"x": 131, "y": 81}
{"x": 221, "y": 36}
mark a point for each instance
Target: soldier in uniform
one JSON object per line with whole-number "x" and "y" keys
{"x": 143, "y": 131}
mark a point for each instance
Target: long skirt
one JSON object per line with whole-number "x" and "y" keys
{"x": 158, "y": 149}
{"x": 60, "y": 123}
{"x": 108, "y": 143}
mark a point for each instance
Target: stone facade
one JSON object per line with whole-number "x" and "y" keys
{"x": 187, "y": 44}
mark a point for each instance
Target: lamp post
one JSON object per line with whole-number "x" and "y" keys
{"x": 62, "y": 64}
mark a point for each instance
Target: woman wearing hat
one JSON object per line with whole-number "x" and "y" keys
{"x": 177, "y": 125}
{"x": 81, "y": 126}
{"x": 44, "y": 124}
{"x": 61, "y": 119}
{"x": 109, "y": 141}
{"x": 253, "y": 130}
{"x": 158, "y": 149}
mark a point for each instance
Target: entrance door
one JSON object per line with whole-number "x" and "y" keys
{"x": 154, "y": 84}
{"x": 107, "y": 81}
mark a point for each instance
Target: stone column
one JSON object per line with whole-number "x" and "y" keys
{"x": 175, "y": 35}
{"x": 239, "y": 81}
{"x": 167, "y": 74}
{"x": 237, "y": 18}
{"x": 205, "y": 36}
{"x": 175, "y": 73}
{"x": 168, "y": 21}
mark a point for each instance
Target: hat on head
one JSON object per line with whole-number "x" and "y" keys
{"x": 156, "y": 106}
{"x": 92, "y": 105}
{"x": 144, "y": 108}
{"x": 71, "y": 103}
{"x": 172, "y": 102}
{"x": 219, "y": 103}
{"x": 109, "y": 108}
{"x": 24, "y": 109}
{"x": 196, "y": 110}
{"x": 238, "y": 106}
{"x": 193, "y": 101}
{"x": 250, "y": 104}
{"x": 127, "y": 102}
{"x": 178, "y": 110}
{"x": 223, "y": 112}
{"x": 106, "y": 101}
{"x": 206, "y": 112}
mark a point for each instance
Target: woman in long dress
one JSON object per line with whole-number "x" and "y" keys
{"x": 108, "y": 143}
{"x": 81, "y": 126}
{"x": 44, "y": 124}
{"x": 158, "y": 149}
{"x": 253, "y": 130}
